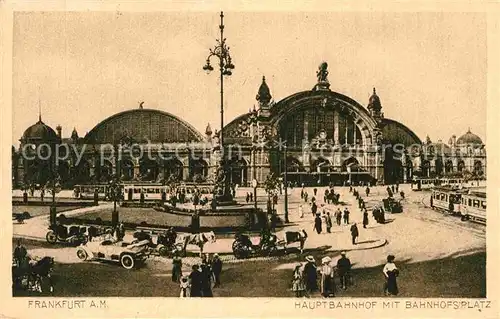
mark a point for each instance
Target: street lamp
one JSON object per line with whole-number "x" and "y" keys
{"x": 221, "y": 51}
{"x": 114, "y": 194}
{"x": 285, "y": 181}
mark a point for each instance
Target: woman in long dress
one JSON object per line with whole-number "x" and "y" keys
{"x": 298, "y": 284}
{"x": 390, "y": 273}
{"x": 327, "y": 288}
{"x": 301, "y": 211}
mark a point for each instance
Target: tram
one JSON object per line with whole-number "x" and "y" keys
{"x": 153, "y": 192}
{"x": 87, "y": 191}
{"x": 452, "y": 181}
{"x": 424, "y": 183}
{"x": 447, "y": 199}
{"x": 469, "y": 204}
{"x": 473, "y": 206}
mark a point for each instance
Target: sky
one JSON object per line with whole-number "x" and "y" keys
{"x": 429, "y": 69}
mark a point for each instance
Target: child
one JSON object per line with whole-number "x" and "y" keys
{"x": 185, "y": 287}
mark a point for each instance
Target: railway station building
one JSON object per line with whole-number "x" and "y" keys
{"x": 318, "y": 136}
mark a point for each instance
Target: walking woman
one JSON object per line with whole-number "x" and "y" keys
{"x": 390, "y": 273}
{"x": 365, "y": 218}
{"x": 318, "y": 224}
{"x": 298, "y": 284}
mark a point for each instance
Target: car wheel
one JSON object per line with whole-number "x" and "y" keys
{"x": 81, "y": 254}
{"x": 51, "y": 237}
{"x": 127, "y": 261}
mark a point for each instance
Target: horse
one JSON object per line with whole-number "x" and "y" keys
{"x": 295, "y": 237}
{"x": 199, "y": 239}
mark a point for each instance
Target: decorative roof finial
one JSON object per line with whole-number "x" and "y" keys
{"x": 374, "y": 91}
{"x": 39, "y": 111}
{"x": 322, "y": 75}
{"x": 264, "y": 94}
{"x": 469, "y": 130}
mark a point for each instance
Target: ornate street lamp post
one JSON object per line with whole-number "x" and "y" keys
{"x": 114, "y": 194}
{"x": 221, "y": 51}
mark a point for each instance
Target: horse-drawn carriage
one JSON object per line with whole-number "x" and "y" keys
{"x": 72, "y": 234}
{"x": 392, "y": 205}
{"x": 21, "y": 217}
{"x": 244, "y": 248}
{"x": 32, "y": 274}
{"x": 161, "y": 242}
{"x": 268, "y": 245}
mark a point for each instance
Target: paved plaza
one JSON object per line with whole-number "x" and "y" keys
{"x": 419, "y": 234}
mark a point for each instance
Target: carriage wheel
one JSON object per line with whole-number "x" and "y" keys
{"x": 51, "y": 237}
{"x": 81, "y": 254}
{"x": 19, "y": 219}
{"x": 127, "y": 261}
{"x": 272, "y": 251}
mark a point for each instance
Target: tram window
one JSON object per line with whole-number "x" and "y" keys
{"x": 470, "y": 202}
{"x": 483, "y": 204}
{"x": 476, "y": 203}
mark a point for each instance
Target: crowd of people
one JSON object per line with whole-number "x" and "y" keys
{"x": 308, "y": 278}
{"x": 202, "y": 278}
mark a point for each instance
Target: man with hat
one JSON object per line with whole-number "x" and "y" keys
{"x": 216, "y": 269}
{"x": 343, "y": 269}
{"x": 310, "y": 274}
{"x": 196, "y": 281}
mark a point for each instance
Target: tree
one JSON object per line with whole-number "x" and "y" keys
{"x": 271, "y": 184}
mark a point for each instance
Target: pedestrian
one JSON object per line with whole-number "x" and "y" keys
{"x": 325, "y": 198}
{"x": 327, "y": 284}
{"x": 365, "y": 218}
{"x": 251, "y": 197}
{"x": 196, "y": 281}
{"x": 391, "y": 272}
{"x": 206, "y": 279}
{"x": 20, "y": 254}
{"x": 402, "y": 194}
{"x": 248, "y": 198}
{"x": 397, "y": 187}
{"x": 350, "y": 189}
{"x": 317, "y": 224}
{"x": 176, "y": 269}
{"x": 42, "y": 194}
{"x": 216, "y": 269}
{"x": 343, "y": 269}
{"x": 301, "y": 211}
{"x": 185, "y": 287}
{"x": 392, "y": 189}
{"x": 305, "y": 197}
{"x": 338, "y": 216}
{"x": 314, "y": 208}
{"x": 302, "y": 193}
{"x": 298, "y": 284}
{"x": 346, "y": 216}
{"x": 328, "y": 222}
{"x": 120, "y": 231}
{"x": 315, "y": 191}
{"x": 354, "y": 233}
{"x": 310, "y": 275}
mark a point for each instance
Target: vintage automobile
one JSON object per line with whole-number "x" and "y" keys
{"x": 70, "y": 234}
{"x": 127, "y": 254}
